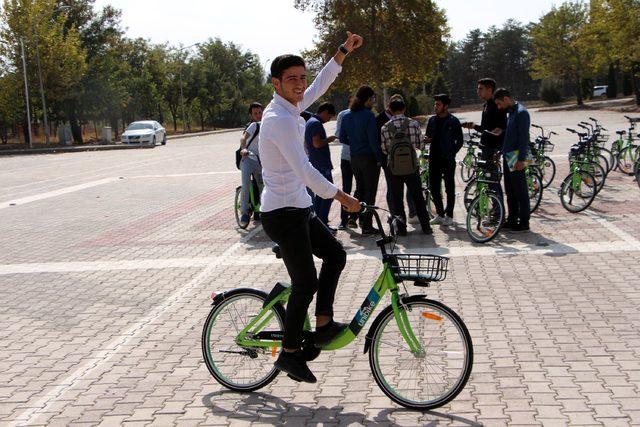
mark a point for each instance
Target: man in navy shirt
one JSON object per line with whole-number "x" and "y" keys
{"x": 317, "y": 146}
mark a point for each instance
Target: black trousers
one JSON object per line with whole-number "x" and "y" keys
{"x": 414, "y": 189}
{"x": 347, "y": 185}
{"x": 391, "y": 193}
{"x": 301, "y": 235}
{"x": 367, "y": 172}
{"x": 515, "y": 185}
{"x": 440, "y": 169}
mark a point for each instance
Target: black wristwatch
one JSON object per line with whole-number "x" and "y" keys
{"x": 343, "y": 49}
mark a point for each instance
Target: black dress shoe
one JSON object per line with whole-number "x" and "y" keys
{"x": 295, "y": 365}
{"x": 325, "y": 334}
{"x": 507, "y": 226}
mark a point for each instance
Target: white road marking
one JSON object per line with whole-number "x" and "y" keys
{"x": 628, "y": 245}
{"x": 98, "y": 358}
{"x": 58, "y": 192}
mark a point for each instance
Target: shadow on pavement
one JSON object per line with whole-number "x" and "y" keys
{"x": 273, "y": 410}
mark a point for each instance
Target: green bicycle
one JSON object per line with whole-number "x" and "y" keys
{"x": 423, "y": 165}
{"x": 254, "y": 202}
{"x": 420, "y": 351}
{"x": 579, "y": 188}
{"x": 467, "y": 170}
{"x": 485, "y": 213}
{"x": 628, "y": 151}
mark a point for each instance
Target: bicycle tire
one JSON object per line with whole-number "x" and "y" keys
{"x": 548, "y": 171}
{"x": 626, "y": 159}
{"x": 613, "y": 160}
{"x": 469, "y": 193}
{"x": 567, "y": 193}
{"x": 466, "y": 172}
{"x": 537, "y": 187}
{"x": 214, "y": 367}
{"x": 486, "y": 233}
{"x": 236, "y": 205}
{"x": 457, "y": 360}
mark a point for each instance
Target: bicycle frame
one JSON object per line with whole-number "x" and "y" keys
{"x": 384, "y": 283}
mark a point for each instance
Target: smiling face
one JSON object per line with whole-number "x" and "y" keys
{"x": 292, "y": 85}
{"x": 256, "y": 114}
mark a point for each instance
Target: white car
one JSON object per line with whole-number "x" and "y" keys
{"x": 600, "y": 91}
{"x": 145, "y": 132}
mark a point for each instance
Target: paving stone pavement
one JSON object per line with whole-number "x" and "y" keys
{"x": 108, "y": 260}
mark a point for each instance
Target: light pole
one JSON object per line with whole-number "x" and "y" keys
{"x": 26, "y": 92}
{"x": 185, "y": 123}
{"x": 44, "y": 103}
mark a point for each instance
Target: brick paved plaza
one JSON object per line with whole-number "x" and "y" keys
{"x": 108, "y": 261}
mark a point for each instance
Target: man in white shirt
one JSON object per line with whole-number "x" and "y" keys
{"x": 250, "y": 163}
{"x": 287, "y": 217}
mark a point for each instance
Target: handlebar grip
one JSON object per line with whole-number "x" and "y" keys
{"x": 363, "y": 207}
{"x": 535, "y": 126}
{"x": 593, "y": 120}
{"x": 552, "y": 133}
{"x": 571, "y": 130}
{"x": 606, "y": 130}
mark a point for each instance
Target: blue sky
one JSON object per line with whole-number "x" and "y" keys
{"x": 270, "y": 28}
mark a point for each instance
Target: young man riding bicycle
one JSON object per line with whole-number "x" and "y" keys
{"x": 287, "y": 216}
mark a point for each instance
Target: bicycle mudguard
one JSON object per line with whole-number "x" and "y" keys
{"x": 275, "y": 292}
{"x": 383, "y": 313}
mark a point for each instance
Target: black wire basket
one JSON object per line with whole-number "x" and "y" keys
{"x": 420, "y": 267}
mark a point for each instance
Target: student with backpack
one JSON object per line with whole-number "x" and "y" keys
{"x": 444, "y": 133}
{"x": 248, "y": 161}
{"x": 400, "y": 138}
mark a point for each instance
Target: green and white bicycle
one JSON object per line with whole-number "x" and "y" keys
{"x": 420, "y": 350}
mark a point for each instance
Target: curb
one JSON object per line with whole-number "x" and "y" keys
{"x": 194, "y": 135}
{"x": 77, "y": 149}
{"x": 106, "y": 147}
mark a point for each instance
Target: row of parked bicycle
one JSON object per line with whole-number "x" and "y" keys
{"x": 590, "y": 163}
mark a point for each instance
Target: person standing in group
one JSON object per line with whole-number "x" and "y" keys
{"x": 515, "y": 150}
{"x": 401, "y": 137}
{"x": 287, "y": 217}
{"x": 492, "y": 125}
{"x": 444, "y": 133}
{"x": 358, "y": 130}
{"x": 250, "y": 162}
{"x": 317, "y": 145}
{"x": 347, "y": 219}
{"x": 382, "y": 119}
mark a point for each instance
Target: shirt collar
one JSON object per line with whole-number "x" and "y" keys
{"x": 293, "y": 109}
{"x": 398, "y": 116}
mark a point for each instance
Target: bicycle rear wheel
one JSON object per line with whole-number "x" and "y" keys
{"x": 577, "y": 196}
{"x": 470, "y": 193}
{"x": 237, "y": 367}
{"x": 466, "y": 170}
{"x": 428, "y": 378}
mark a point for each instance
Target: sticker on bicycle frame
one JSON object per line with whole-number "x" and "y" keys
{"x": 431, "y": 316}
{"x": 365, "y": 311}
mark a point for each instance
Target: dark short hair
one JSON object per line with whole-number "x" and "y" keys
{"x": 487, "y": 82}
{"x": 282, "y": 62}
{"x": 397, "y": 105}
{"x": 443, "y": 97}
{"x": 363, "y": 94}
{"x": 326, "y": 106}
{"x": 501, "y": 93}
{"x": 255, "y": 105}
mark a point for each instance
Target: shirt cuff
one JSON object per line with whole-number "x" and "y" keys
{"x": 329, "y": 192}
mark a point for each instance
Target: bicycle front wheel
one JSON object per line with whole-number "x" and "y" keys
{"x": 466, "y": 170}
{"x": 237, "y": 367}
{"x": 626, "y": 159}
{"x": 237, "y": 208}
{"x": 535, "y": 187}
{"x": 484, "y": 218}
{"x": 578, "y": 191}
{"x": 434, "y": 374}
{"x": 548, "y": 171}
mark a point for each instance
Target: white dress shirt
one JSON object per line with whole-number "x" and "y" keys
{"x": 286, "y": 170}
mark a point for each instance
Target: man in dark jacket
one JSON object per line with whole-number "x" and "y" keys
{"x": 515, "y": 148}
{"x": 358, "y": 131}
{"x": 444, "y": 133}
{"x": 494, "y": 122}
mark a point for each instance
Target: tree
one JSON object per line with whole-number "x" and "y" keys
{"x": 404, "y": 40}
{"x": 560, "y": 48}
{"x": 11, "y": 103}
{"x": 615, "y": 29}
{"x": 42, "y": 29}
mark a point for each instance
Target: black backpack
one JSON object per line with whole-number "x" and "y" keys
{"x": 255, "y": 135}
{"x": 402, "y": 159}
